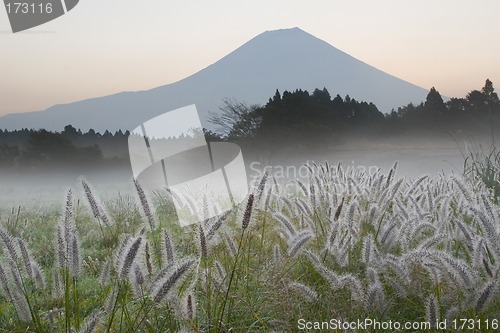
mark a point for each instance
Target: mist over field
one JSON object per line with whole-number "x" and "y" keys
{"x": 415, "y": 157}
{"x": 339, "y": 225}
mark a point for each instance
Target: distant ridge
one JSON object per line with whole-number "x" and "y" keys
{"x": 285, "y": 59}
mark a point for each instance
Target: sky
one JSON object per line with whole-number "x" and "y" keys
{"x": 105, "y": 47}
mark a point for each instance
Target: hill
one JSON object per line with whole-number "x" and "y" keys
{"x": 282, "y": 59}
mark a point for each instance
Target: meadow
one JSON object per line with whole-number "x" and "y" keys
{"x": 346, "y": 246}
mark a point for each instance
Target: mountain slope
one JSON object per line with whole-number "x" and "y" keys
{"x": 285, "y": 59}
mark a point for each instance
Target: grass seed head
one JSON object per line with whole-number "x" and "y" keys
{"x": 248, "y": 212}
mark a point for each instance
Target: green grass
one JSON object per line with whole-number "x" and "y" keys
{"x": 485, "y": 167}
{"x": 384, "y": 253}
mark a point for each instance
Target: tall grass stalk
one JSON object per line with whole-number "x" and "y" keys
{"x": 244, "y": 226}
{"x": 484, "y": 166}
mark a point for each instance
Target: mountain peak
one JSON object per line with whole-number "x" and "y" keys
{"x": 285, "y": 30}
{"x": 294, "y": 32}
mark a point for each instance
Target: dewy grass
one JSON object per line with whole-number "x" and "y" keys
{"x": 484, "y": 166}
{"x": 347, "y": 246}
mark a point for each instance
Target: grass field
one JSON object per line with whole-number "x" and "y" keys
{"x": 345, "y": 246}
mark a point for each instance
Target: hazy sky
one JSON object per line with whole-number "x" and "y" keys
{"x": 104, "y": 47}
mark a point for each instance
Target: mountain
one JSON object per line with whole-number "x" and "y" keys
{"x": 286, "y": 59}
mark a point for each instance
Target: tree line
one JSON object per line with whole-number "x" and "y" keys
{"x": 476, "y": 109}
{"x": 38, "y": 149}
{"x": 297, "y": 119}
{"x": 302, "y": 119}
